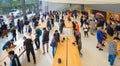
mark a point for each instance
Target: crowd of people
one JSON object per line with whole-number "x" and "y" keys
{"x": 92, "y": 25}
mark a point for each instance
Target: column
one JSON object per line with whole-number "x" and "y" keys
{"x": 23, "y": 8}
{"x": 82, "y": 7}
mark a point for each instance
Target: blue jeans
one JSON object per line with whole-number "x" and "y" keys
{"x": 53, "y": 51}
{"x": 49, "y": 27}
{"x": 111, "y": 59}
{"x": 37, "y": 43}
{"x": 14, "y": 38}
{"x": 61, "y": 29}
{"x": 57, "y": 20}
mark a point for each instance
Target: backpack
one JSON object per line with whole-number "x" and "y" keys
{"x": 53, "y": 43}
{"x": 77, "y": 33}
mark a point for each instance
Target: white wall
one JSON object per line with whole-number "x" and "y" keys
{"x": 53, "y": 6}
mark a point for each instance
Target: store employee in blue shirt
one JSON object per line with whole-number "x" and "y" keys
{"x": 7, "y": 44}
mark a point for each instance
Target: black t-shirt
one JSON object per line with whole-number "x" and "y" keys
{"x": 28, "y": 43}
{"x": 15, "y": 61}
{"x": 4, "y": 27}
{"x": 45, "y": 36}
{"x": 14, "y": 32}
{"x": 57, "y": 37}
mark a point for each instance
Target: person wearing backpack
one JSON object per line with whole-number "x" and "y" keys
{"x": 78, "y": 40}
{"x": 57, "y": 36}
{"x": 14, "y": 60}
{"x": 77, "y": 35}
{"x": 53, "y": 44}
{"x": 37, "y": 41}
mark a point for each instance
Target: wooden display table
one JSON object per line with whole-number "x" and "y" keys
{"x": 19, "y": 50}
{"x": 73, "y": 53}
{"x": 68, "y": 52}
{"x": 109, "y": 38}
{"x": 118, "y": 49}
{"x": 68, "y": 24}
{"x": 60, "y": 53}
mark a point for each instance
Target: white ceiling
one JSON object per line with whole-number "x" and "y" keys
{"x": 85, "y": 1}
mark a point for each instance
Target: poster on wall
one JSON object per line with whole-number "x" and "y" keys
{"x": 99, "y": 14}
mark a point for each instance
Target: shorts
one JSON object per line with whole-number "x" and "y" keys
{"x": 45, "y": 42}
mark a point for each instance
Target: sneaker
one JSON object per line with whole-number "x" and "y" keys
{"x": 97, "y": 47}
{"x": 103, "y": 45}
{"x": 34, "y": 62}
{"x": 47, "y": 51}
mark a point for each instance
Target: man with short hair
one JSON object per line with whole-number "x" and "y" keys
{"x": 28, "y": 45}
{"x": 45, "y": 39}
{"x": 14, "y": 60}
{"x": 38, "y": 34}
{"x": 112, "y": 50}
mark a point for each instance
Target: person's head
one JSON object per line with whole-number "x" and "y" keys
{"x": 44, "y": 29}
{"x": 21, "y": 21}
{"x": 11, "y": 54}
{"x": 18, "y": 20}
{"x": 3, "y": 23}
{"x": 116, "y": 39}
{"x": 24, "y": 38}
{"x": 56, "y": 31}
{"x": 11, "y": 41}
{"x": 13, "y": 28}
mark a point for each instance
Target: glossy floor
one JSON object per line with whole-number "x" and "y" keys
{"x": 91, "y": 55}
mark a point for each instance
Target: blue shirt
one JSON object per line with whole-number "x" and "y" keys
{"x": 5, "y": 45}
{"x": 29, "y": 30}
{"x": 11, "y": 61}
